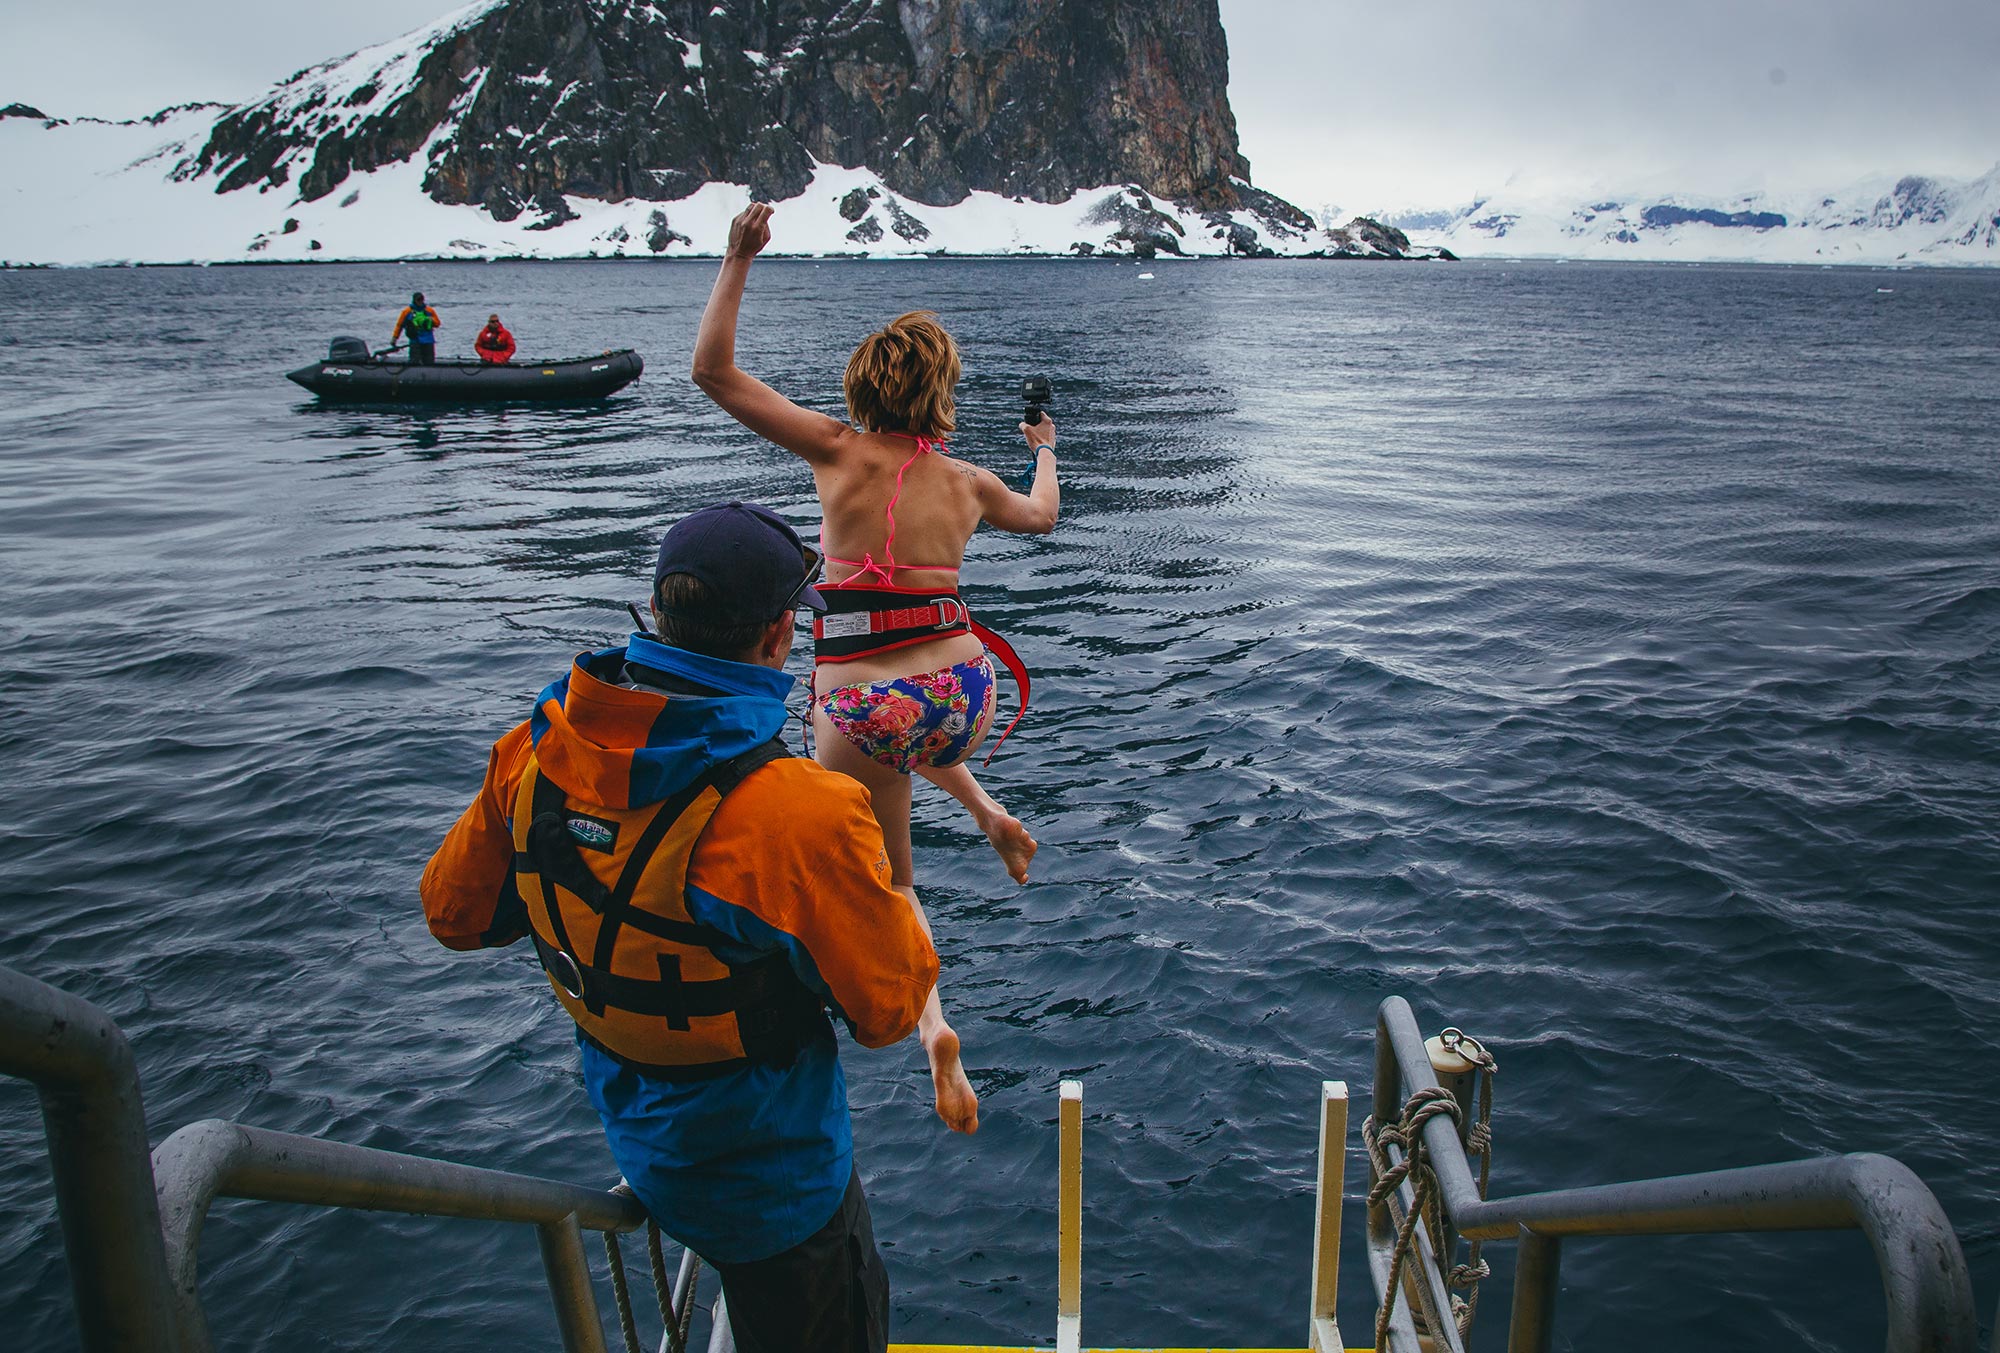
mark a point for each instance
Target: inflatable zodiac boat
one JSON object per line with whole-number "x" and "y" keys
{"x": 352, "y": 373}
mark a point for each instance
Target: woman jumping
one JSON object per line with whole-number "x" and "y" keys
{"x": 902, "y": 683}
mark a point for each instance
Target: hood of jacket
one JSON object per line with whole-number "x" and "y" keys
{"x": 621, "y": 747}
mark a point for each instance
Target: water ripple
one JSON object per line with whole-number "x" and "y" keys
{"x": 1605, "y": 658}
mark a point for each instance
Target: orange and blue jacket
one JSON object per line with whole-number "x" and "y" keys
{"x": 416, "y": 336}
{"x": 746, "y": 1164}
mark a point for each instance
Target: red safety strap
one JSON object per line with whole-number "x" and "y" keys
{"x": 1015, "y": 668}
{"x": 907, "y": 618}
{"x": 940, "y": 615}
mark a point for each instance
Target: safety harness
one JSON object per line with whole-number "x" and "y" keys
{"x": 643, "y": 980}
{"x": 860, "y": 622}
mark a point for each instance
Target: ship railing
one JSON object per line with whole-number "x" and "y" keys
{"x": 211, "y": 1159}
{"x": 82, "y": 1069}
{"x": 1924, "y": 1279}
{"x": 131, "y": 1220}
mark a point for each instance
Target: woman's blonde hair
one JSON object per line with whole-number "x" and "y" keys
{"x": 901, "y": 377}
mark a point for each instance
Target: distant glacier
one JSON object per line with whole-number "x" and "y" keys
{"x": 1913, "y": 220}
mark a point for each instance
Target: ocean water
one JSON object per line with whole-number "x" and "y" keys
{"x": 1604, "y": 658}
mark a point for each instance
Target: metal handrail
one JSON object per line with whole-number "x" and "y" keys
{"x": 132, "y": 1243}
{"x": 211, "y": 1159}
{"x": 83, "y": 1069}
{"x": 1924, "y": 1279}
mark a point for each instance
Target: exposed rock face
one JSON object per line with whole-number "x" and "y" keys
{"x": 1373, "y": 235}
{"x": 1914, "y": 198}
{"x": 659, "y": 234}
{"x": 1147, "y": 230}
{"x": 525, "y": 101}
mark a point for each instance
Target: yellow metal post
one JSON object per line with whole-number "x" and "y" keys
{"x": 1324, "y": 1332}
{"x": 1069, "y": 1222}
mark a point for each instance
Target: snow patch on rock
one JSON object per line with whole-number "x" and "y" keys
{"x": 104, "y": 193}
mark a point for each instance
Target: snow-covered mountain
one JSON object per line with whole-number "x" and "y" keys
{"x": 1913, "y": 220}
{"x": 564, "y": 128}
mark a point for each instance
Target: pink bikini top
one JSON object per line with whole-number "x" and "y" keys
{"x": 885, "y": 571}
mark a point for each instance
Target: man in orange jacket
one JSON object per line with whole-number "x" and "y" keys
{"x": 494, "y": 343}
{"x": 699, "y": 899}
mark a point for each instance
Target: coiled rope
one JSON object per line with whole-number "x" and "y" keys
{"x": 1406, "y": 1134}
{"x": 1478, "y": 1142}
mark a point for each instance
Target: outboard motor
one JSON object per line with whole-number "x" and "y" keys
{"x": 348, "y": 349}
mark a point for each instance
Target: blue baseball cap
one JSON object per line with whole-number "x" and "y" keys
{"x": 749, "y": 556}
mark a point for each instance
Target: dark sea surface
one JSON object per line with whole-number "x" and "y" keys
{"x": 1605, "y": 658}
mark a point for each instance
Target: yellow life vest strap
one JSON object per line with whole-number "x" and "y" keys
{"x": 774, "y": 1012}
{"x": 552, "y": 853}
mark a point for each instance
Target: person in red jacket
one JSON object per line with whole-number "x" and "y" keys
{"x": 494, "y": 343}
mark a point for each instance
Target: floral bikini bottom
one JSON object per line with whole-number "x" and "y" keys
{"x": 932, "y": 719}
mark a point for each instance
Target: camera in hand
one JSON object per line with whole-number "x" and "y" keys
{"x": 1037, "y": 394}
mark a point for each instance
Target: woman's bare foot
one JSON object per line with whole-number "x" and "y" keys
{"x": 1012, "y": 841}
{"x": 956, "y": 1103}
{"x": 1006, "y": 833}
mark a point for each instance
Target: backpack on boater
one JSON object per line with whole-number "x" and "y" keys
{"x": 641, "y": 978}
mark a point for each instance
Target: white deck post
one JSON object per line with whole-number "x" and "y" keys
{"x": 1069, "y": 1221}
{"x": 1324, "y": 1334}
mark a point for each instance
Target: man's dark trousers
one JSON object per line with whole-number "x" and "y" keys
{"x": 827, "y": 1294}
{"x": 423, "y": 354}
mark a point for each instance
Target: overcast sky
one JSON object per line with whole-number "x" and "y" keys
{"x": 1358, "y": 105}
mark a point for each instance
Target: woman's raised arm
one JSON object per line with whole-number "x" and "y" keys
{"x": 812, "y": 436}
{"x": 1033, "y": 512}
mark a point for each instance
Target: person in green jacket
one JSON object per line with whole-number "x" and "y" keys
{"x": 420, "y": 322}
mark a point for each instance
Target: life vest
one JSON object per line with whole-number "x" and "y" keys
{"x": 419, "y": 322}
{"x": 606, "y": 896}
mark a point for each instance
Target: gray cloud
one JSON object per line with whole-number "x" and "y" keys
{"x": 1374, "y": 105}
{"x": 127, "y": 58}
{"x": 1360, "y": 105}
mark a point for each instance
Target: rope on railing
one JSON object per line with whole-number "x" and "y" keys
{"x": 1478, "y": 1142}
{"x": 1407, "y": 1135}
{"x": 662, "y": 1287}
{"x": 626, "y": 1325}
{"x": 677, "y": 1323}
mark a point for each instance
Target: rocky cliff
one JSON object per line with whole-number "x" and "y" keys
{"x": 514, "y": 105}
{"x": 632, "y": 128}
